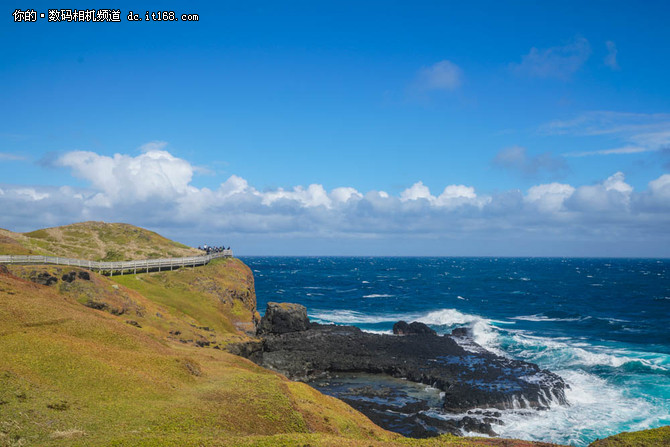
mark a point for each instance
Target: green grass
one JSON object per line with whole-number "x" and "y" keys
{"x": 206, "y": 296}
{"x": 95, "y": 241}
{"x": 657, "y": 437}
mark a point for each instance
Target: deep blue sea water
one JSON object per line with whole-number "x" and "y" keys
{"x": 601, "y": 324}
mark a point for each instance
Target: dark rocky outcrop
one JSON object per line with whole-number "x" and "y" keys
{"x": 69, "y": 277}
{"x": 44, "y": 278}
{"x": 469, "y": 379}
{"x": 413, "y": 328}
{"x": 283, "y": 318}
{"x": 469, "y": 376}
{"x": 97, "y": 305}
{"x": 461, "y": 332}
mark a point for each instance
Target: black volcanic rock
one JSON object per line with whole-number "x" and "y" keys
{"x": 69, "y": 277}
{"x": 469, "y": 376}
{"x": 472, "y": 378}
{"x": 413, "y": 328}
{"x": 469, "y": 379}
{"x": 282, "y": 318}
{"x": 43, "y": 278}
{"x": 461, "y": 332}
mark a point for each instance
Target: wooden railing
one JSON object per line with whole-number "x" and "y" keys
{"x": 113, "y": 268}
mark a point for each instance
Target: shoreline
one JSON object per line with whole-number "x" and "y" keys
{"x": 470, "y": 380}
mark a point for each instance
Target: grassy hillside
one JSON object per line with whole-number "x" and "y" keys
{"x": 103, "y": 361}
{"x": 94, "y": 241}
{"x": 140, "y": 359}
{"x": 94, "y": 362}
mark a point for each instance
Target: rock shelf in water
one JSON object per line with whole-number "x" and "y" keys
{"x": 469, "y": 376}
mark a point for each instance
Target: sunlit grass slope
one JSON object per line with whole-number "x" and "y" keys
{"x": 131, "y": 373}
{"x": 94, "y": 241}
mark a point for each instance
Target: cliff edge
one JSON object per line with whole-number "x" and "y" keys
{"x": 141, "y": 359}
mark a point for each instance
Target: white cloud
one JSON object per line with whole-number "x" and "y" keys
{"x": 458, "y": 195}
{"x": 6, "y": 156}
{"x": 618, "y": 150}
{"x": 452, "y": 196}
{"x": 661, "y": 187}
{"x": 617, "y": 182}
{"x": 559, "y": 62}
{"x": 610, "y": 59}
{"x": 517, "y": 159}
{"x": 415, "y": 192}
{"x": 444, "y": 75}
{"x": 657, "y": 197}
{"x": 31, "y": 194}
{"x": 613, "y": 194}
{"x": 458, "y": 192}
{"x": 313, "y": 196}
{"x": 549, "y": 198}
{"x": 153, "y": 146}
{"x": 153, "y": 174}
{"x": 605, "y": 122}
{"x": 154, "y": 189}
{"x": 653, "y": 140}
{"x": 637, "y": 132}
{"x": 344, "y": 194}
{"x": 234, "y": 185}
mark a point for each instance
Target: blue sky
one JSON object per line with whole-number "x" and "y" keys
{"x": 437, "y": 128}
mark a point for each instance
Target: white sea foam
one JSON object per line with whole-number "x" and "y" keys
{"x": 544, "y": 318}
{"x": 552, "y": 353}
{"x": 371, "y": 331}
{"x": 566, "y": 353}
{"x": 483, "y": 331}
{"x": 377, "y": 295}
{"x": 353, "y": 317}
{"x": 597, "y": 410}
{"x": 448, "y": 317}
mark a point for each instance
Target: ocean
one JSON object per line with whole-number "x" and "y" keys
{"x": 603, "y": 325}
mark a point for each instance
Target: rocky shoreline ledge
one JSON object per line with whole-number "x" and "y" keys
{"x": 473, "y": 383}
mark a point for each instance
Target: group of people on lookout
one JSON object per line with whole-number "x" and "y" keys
{"x": 211, "y": 250}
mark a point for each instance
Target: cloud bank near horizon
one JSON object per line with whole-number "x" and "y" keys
{"x": 155, "y": 189}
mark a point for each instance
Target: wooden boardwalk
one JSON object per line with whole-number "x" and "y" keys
{"x": 117, "y": 268}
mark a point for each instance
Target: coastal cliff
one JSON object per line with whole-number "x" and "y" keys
{"x": 142, "y": 359}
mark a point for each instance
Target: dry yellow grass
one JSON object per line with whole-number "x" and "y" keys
{"x": 94, "y": 241}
